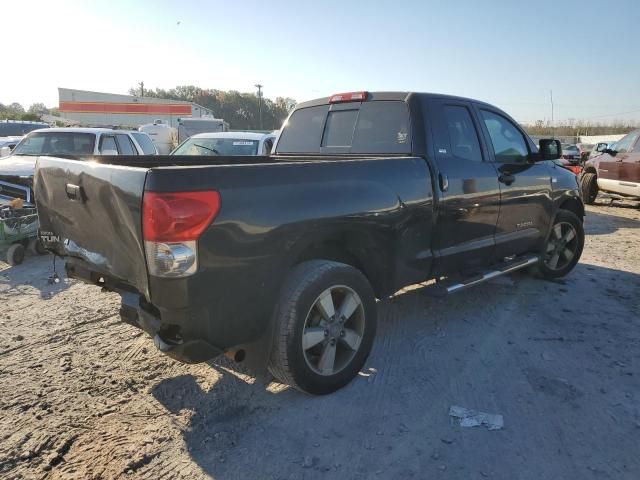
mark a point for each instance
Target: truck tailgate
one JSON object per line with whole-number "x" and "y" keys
{"x": 91, "y": 214}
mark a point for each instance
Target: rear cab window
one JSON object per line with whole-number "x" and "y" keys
{"x": 374, "y": 127}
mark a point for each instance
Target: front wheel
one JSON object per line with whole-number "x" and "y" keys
{"x": 15, "y": 254}
{"x": 325, "y": 323}
{"x": 563, "y": 248}
{"x": 589, "y": 188}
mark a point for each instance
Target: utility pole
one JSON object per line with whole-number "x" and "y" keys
{"x": 141, "y": 89}
{"x": 259, "y": 87}
{"x": 553, "y": 124}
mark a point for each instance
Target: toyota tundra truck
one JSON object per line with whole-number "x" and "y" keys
{"x": 281, "y": 259}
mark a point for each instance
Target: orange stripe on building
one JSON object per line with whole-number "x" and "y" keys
{"x": 126, "y": 108}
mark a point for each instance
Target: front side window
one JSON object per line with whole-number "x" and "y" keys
{"x": 509, "y": 145}
{"x": 625, "y": 144}
{"x": 56, "y": 143}
{"x": 463, "y": 137}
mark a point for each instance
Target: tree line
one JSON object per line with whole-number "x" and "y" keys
{"x": 575, "y": 128}
{"x": 240, "y": 110}
{"x": 15, "y": 111}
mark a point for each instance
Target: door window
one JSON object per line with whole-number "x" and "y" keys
{"x": 125, "y": 146}
{"x": 108, "y": 143}
{"x": 463, "y": 138}
{"x": 509, "y": 145}
{"x": 625, "y": 144}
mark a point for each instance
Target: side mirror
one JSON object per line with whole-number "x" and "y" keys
{"x": 601, "y": 147}
{"x": 109, "y": 152}
{"x": 610, "y": 151}
{"x": 549, "y": 149}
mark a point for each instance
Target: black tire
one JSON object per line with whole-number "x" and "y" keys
{"x": 543, "y": 269}
{"x": 15, "y": 254}
{"x": 589, "y": 188}
{"x": 289, "y": 362}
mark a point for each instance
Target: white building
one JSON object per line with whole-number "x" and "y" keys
{"x": 95, "y": 109}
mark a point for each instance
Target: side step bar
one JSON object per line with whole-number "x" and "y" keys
{"x": 447, "y": 288}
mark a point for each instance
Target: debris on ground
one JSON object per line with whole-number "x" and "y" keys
{"x": 473, "y": 418}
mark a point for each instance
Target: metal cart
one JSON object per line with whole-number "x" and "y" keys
{"x": 19, "y": 231}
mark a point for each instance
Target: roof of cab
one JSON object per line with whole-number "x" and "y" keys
{"x": 397, "y": 96}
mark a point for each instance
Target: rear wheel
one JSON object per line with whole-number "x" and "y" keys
{"x": 589, "y": 188}
{"x": 15, "y": 254}
{"x": 325, "y": 323}
{"x": 563, "y": 248}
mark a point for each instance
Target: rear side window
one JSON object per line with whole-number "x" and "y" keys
{"x": 369, "y": 127}
{"x": 108, "y": 144}
{"x": 463, "y": 138}
{"x": 125, "y": 145}
{"x": 145, "y": 143}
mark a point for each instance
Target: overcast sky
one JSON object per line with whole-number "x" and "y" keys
{"x": 508, "y": 53}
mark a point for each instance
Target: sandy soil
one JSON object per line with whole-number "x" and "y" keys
{"x": 85, "y": 396}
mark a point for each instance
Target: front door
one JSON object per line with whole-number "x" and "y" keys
{"x": 621, "y": 173}
{"x": 526, "y": 204}
{"x": 468, "y": 189}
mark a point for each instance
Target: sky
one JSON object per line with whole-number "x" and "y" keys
{"x": 508, "y": 53}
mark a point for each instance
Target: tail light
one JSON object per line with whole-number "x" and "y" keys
{"x": 574, "y": 168}
{"x": 171, "y": 226}
{"x": 348, "y": 97}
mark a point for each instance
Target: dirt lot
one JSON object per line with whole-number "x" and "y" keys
{"x": 84, "y": 396}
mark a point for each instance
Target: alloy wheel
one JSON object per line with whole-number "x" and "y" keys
{"x": 333, "y": 330}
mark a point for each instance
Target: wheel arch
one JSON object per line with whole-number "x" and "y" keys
{"x": 357, "y": 249}
{"x": 573, "y": 205}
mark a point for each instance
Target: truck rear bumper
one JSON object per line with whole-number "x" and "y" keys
{"x": 169, "y": 341}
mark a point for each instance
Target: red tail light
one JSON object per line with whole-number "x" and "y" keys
{"x": 575, "y": 169}
{"x": 348, "y": 97}
{"x": 178, "y": 217}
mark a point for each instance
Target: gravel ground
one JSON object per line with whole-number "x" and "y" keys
{"x": 85, "y": 396}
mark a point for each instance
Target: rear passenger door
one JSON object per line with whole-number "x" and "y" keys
{"x": 526, "y": 204}
{"x": 468, "y": 185}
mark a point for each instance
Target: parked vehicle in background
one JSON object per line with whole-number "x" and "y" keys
{"x": 227, "y": 144}
{"x": 12, "y": 131}
{"x": 18, "y": 168}
{"x": 163, "y": 136}
{"x": 615, "y": 171}
{"x": 278, "y": 260}
{"x": 585, "y": 150}
{"x": 571, "y": 153}
{"x": 188, "y": 127}
{"x": 19, "y": 128}
{"x": 570, "y": 158}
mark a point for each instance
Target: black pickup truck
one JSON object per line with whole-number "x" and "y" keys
{"x": 282, "y": 258}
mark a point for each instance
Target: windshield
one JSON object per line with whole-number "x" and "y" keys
{"x": 17, "y": 129}
{"x": 217, "y": 146}
{"x": 56, "y": 143}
